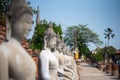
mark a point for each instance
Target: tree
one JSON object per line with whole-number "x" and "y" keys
{"x": 3, "y": 6}
{"x": 99, "y": 56}
{"x": 82, "y": 35}
{"x": 83, "y": 49}
{"x": 37, "y": 41}
{"x": 29, "y": 4}
{"x": 109, "y": 34}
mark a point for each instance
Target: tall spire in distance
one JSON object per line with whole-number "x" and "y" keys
{"x": 38, "y": 16}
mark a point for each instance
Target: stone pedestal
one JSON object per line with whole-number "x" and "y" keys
{"x": 110, "y": 68}
{"x": 119, "y": 72}
{"x": 107, "y": 70}
{"x": 117, "y": 62}
{"x": 115, "y": 70}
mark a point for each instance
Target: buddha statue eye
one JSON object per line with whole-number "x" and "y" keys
{"x": 29, "y": 30}
{"x": 29, "y": 21}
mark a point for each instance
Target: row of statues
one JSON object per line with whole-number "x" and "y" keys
{"x": 55, "y": 64}
{"x": 17, "y": 64}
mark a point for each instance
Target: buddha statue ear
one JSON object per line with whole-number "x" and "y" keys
{"x": 9, "y": 10}
{"x": 45, "y": 42}
{"x": 8, "y": 28}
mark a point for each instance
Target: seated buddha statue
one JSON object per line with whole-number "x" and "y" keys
{"x": 49, "y": 63}
{"x": 16, "y": 63}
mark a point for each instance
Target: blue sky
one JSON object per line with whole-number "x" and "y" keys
{"x": 98, "y": 14}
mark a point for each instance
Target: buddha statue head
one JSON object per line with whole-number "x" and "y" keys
{"x": 60, "y": 43}
{"x": 18, "y": 20}
{"x": 50, "y": 37}
{"x": 66, "y": 50}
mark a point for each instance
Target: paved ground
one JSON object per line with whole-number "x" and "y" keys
{"x": 88, "y": 72}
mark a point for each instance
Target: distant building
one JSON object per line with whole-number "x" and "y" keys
{"x": 95, "y": 51}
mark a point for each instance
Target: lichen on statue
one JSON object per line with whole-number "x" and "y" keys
{"x": 49, "y": 63}
{"x": 19, "y": 64}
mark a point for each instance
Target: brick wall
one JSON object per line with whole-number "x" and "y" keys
{"x": 2, "y": 30}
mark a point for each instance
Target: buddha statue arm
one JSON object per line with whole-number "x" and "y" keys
{"x": 3, "y": 66}
{"x": 44, "y": 66}
{"x": 64, "y": 74}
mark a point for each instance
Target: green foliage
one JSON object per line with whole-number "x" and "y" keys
{"x": 83, "y": 48}
{"x": 37, "y": 40}
{"x": 109, "y": 49}
{"x": 57, "y": 29}
{"x": 109, "y": 34}
{"x": 99, "y": 56}
{"x": 4, "y": 4}
{"x": 3, "y": 7}
{"x": 81, "y": 35}
{"x": 34, "y": 10}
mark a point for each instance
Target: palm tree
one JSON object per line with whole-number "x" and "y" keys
{"x": 109, "y": 34}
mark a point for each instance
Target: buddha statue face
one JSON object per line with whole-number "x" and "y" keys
{"x": 19, "y": 20}
{"x": 64, "y": 49}
{"x": 22, "y": 27}
{"x": 51, "y": 43}
{"x": 59, "y": 47}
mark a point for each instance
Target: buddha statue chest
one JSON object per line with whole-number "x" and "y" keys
{"x": 53, "y": 63}
{"x": 20, "y": 62}
{"x": 60, "y": 57}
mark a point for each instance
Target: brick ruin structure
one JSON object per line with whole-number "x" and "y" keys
{"x": 2, "y": 29}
